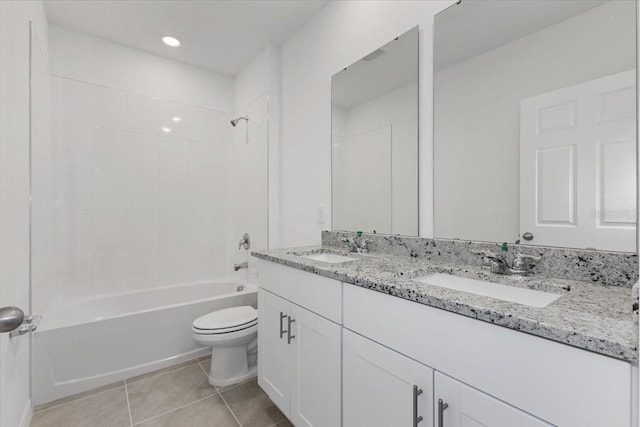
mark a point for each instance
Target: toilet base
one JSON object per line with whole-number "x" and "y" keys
{"x": 252, "y": 373}
{"x": 229, "y": 365}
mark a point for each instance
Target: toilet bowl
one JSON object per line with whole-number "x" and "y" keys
{"x": 232, "y": 334}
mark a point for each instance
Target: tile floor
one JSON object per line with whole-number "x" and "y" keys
{"x": 177, "y": 396}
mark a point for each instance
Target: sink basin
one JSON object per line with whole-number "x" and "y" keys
{"x": 329, "y": 258}
{"x": 523, "y": 296}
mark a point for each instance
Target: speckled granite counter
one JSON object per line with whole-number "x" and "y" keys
{"x": 590, "y": 316}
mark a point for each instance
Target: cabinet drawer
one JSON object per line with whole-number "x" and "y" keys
{"x": 558, "y": 383}
{"x": 318, "y": 294}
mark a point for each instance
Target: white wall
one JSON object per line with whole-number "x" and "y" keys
{"x": 254, "y": 158}
{"x": 477, "y": 151}
{"x": 15, "y": 406}
{"x": 135, "y": 207}
{"x": 340, "y": 34}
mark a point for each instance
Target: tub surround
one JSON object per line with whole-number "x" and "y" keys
{"x": 594, "y": 315}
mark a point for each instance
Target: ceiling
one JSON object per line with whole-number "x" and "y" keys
{"x": 395, "y": 67}
{"x": 473, "y": 27}
{"x": 222, "y": 36}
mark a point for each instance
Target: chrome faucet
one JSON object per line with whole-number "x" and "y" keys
{"x": 237, "y": 267}
{"x": 357, "y": 244}
{"x": 499, "y": 264}
{"x": 245, "y": 242}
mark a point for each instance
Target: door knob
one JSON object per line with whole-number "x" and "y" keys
{"x": 528, "y": 236}
{"x": 13, "y": 320}
{"x": 10, "y": 318}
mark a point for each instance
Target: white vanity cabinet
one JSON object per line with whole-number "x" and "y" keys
{"x": 553, "y": 382}
{"x": 458, "y": 405}
{"x": 300, "y": 350}
{"x": 383, "y": 388}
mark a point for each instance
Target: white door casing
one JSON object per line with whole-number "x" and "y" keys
{"x": 578, "y": 165}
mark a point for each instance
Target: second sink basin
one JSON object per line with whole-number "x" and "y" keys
{"x": 328, "y": 257}
{"x": 523, "y": 296}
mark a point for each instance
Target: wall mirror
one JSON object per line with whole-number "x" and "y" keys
{"x": 535, "y": 123}
{"x": 374, "y": 114}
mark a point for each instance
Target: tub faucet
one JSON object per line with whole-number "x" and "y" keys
{"x": 237, "y": 267}
{"x": 245, "y": 242}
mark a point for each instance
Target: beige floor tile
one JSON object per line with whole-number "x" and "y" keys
{"x": 163, "y": 370}
{"x": 284, "y": 423}
{"x": 209, "y": 412}
{"x": 164, "y": 392}
{"x": 252, "y": 406}
{"x": 103, "y": 409}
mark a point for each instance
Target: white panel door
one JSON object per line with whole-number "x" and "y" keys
{"x": 577, "y": 165}
{"x": 468, "y": 407}
{"x": 273, "y": 353}
{"x": 378, "y": 386}
{"x": 315, "y": 370}
{"x": 367, "y": 173}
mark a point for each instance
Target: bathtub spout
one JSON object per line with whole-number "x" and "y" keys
{"x": 237, "y": 267}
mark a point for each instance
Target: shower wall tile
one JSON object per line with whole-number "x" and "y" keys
{"x": 108, "y": 149}
{"x": 173, "y": 192}
{"x": 109, "y": 108}
{"x": 134, "y": 206}
{"x": 173, "y": 156}
{"x": 71, "y": 145}
{"x": 142, "y": 153}
{"x": 107, "y": 190}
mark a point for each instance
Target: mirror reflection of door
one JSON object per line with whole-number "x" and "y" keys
{"x": 534, "y": 123}
{"x": 577, "y": 165}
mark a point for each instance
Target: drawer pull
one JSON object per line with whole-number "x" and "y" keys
{"x": 441, "y": 407}
{"x": 282, "y": 331}
{"x": 416, "y": 418}
{"x": 289, "y": 336}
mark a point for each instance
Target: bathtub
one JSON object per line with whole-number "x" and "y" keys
{"x": 102, "y": 341}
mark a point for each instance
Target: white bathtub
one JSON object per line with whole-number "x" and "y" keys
{"x": 102, "y": 341}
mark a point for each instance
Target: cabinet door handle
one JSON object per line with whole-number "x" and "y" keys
{"x": 289, "y": 336}
{"x": 416, "y": 418}
{"x": 282, "y": 331}
{"x": 441, "y": 407}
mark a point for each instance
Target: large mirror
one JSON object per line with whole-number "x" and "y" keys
{"x": 374, "y": 104}
{"x": 535, "y": 123}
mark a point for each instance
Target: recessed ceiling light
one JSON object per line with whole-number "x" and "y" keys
{"x": 165, "y": 129}
{"x": 171, "y": 41}
{"x": 176, "y": 119}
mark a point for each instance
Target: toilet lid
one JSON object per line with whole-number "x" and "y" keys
{"x": 227, "y": 318}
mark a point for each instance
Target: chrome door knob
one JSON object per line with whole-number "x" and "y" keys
{"x": 10, "y": 318}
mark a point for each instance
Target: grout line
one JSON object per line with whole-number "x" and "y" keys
{"x": 173, "y": 410}
{"x": 126, "y": 393}
{"x": 205, "y": 372}
{"x": 228, "y": 407}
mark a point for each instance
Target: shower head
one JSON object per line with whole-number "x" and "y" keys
{"x": 235, "y": 122}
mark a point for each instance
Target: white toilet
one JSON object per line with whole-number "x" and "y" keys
{"x": 232, "y": 334}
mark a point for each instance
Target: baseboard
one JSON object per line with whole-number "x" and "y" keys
{"x": 26, "y": 415}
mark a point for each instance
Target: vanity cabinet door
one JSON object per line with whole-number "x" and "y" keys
{"x": 459, "y": 405}
{"x": 383, "y": 388}
{"x": 273, "y": 350}
{"x": 315, "y": 370}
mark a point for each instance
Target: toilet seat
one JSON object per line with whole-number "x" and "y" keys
{"x": 226, "y": 321}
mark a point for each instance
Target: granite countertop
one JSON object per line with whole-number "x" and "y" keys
{"x": 593, "y": 317}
